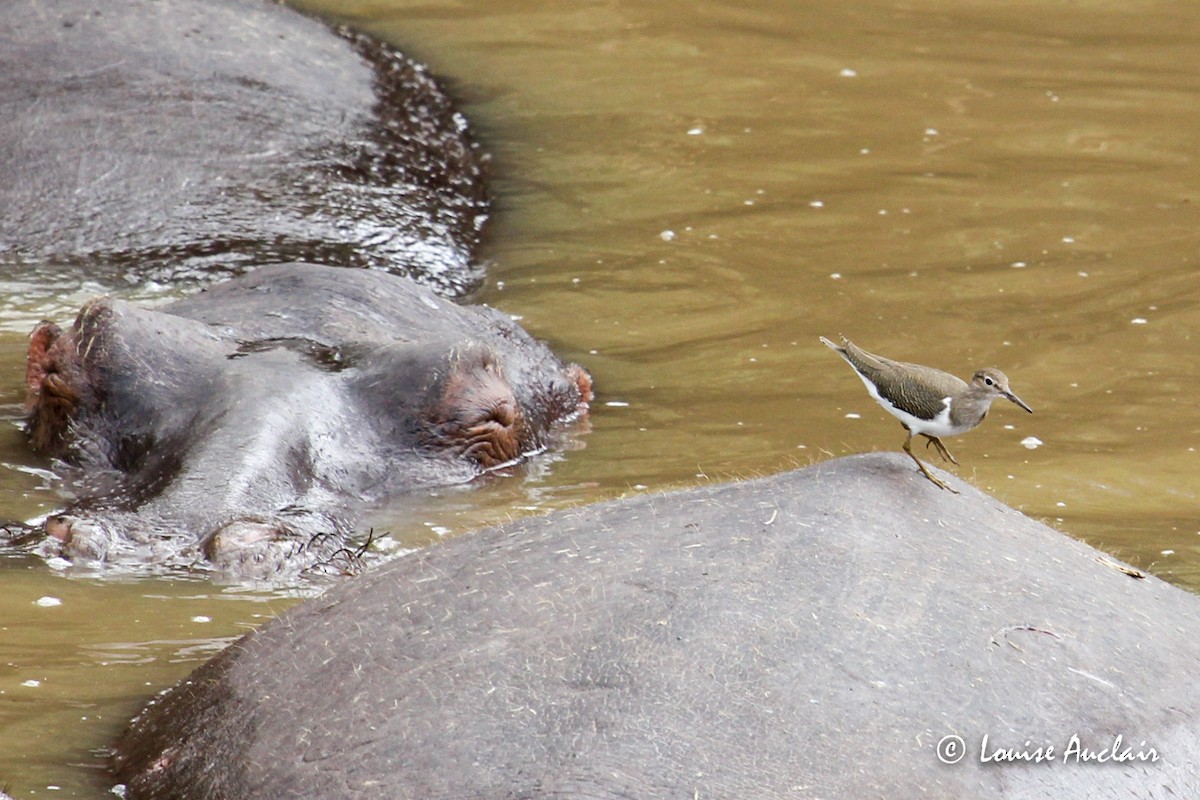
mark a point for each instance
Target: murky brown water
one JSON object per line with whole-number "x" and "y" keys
{"x": 688, "y": 194}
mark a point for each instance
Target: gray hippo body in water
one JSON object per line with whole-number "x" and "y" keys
{"x": 844, "y": 631}
{"x": 252, "y": 423}
{"x": 189, "y": 140}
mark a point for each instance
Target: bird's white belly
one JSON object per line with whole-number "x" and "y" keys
{"x": 939, "y": 426}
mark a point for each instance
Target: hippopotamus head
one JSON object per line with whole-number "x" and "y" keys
{"x": 249, "y": 426}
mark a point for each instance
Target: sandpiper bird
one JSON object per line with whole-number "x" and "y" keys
{"x": 927, "y": 401}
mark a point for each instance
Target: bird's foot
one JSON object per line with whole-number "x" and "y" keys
{"x": 938, "y": 482}
{"x": 941, "y": 484}
{"x": 941, "y": 448}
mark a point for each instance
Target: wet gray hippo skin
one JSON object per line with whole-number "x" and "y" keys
{"x": 176, "y": 140}
{"x": 815, "y": 634}
{"x": 249, "y": 425}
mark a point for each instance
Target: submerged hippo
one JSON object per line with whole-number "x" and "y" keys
{"x": 844, "y": 631}
{"x": 190, "y": 140}
{"x": 252, "y": 423}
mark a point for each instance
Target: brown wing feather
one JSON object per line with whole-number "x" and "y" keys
{"x": 917, "y": 389}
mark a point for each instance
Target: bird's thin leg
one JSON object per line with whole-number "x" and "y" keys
{"x": 941, "y": 448}
{"x": 924, "y": 470}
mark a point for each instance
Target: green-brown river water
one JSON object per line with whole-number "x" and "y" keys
{"x": 688, "y": 194}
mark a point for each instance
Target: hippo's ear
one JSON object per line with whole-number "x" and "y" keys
{"x": 475, "y": 412}
{"x": 51, "y": 398}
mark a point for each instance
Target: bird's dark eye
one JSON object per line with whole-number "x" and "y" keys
{"x": 988, "y": 381}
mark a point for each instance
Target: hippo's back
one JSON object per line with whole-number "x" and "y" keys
{"x": 178, "y": 138}
{"x": 813, "y": 634}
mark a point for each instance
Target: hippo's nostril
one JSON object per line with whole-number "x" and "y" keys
{"x": 59, "y": 527}
{"x": 239, "y": 535}
{"x": 81, "y": 539}
{"x": 251, "y": 546}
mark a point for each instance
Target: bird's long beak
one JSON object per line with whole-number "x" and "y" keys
{"x": 1018, "y": 401}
